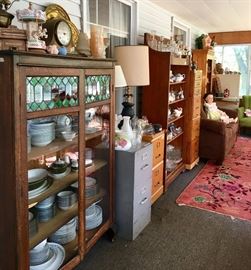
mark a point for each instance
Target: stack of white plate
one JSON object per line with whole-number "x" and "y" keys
{"x": 38, "y": 182}
{"x": 91, "y": 187}
{"x": 94, "y": 217}
{"x": 46, "y": 209}
{"x": 42, "y": 133}
{"x": 66, "y": 233}
{"x": 49, "y": 256}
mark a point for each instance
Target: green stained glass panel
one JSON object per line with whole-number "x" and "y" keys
{"x": 46, "y": 93}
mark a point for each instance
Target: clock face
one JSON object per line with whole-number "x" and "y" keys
{"x": 63, "y": 33}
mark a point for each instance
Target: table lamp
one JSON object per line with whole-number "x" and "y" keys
{"x": 134, "y": 61}
{"x": 120, "y": 80}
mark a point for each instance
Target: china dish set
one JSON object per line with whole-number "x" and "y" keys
{"x": 43, "y": 132}
{"x": 46, "y": 255}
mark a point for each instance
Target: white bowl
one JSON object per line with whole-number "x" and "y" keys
{"x": 68, "y": 135}
{"x": 40, "y": 246}
{"x": 36, "y": 174}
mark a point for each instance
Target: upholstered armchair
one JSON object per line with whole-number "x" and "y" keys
{"x": 245, "y": 103}
{"x": 217, "y": 138}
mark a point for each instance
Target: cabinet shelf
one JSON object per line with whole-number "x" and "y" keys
{"x": 170, "y": 176}
{"x": 93, "y": 135}
{"x": 45, "y": 229}
{"x": 174, "y": 138}
{"x": 176, "y": 101}
{"x": 96, "y": 165}
{"x": 175, "y": 119}
{"x": 52, "y": 112}
{"x": 57, "y": 185}
{"x": 97, "y": 103}
{"x": 177, "y": 83}
{"x": 55, "y": 146}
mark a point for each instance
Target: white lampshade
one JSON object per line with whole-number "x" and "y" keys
{"x": 120, "y": 80}
{"x": 134, "y": 61}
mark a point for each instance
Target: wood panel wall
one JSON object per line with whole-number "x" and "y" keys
{"x": 237, "y": 37}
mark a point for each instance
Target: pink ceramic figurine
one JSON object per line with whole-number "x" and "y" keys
{"x": 52, "y": 49}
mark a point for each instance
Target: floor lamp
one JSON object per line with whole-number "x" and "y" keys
{"x": 134, "y": 61}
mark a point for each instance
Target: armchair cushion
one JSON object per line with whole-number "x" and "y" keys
{"x": 245, "y": 122}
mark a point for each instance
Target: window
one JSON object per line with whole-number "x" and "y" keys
{"x": 116, "y": 17}
{"x": 236, "y": 58}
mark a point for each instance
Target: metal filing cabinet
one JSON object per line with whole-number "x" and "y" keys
{"x": 133, "y": 190}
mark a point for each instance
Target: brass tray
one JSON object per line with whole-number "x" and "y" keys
{"x": 55, "y": 11}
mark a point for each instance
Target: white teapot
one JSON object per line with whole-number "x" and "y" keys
{"x": 179, "y": 77}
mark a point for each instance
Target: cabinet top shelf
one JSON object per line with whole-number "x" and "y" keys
{"x": 29, "y": 59}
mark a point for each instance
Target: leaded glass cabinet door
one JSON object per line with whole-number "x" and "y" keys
{"x": 55, "y": 151}
{"x": 98, "y": 153}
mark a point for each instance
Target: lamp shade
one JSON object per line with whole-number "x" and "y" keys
{"x": 120, "y": 80}
{"x": 134, "y": 61}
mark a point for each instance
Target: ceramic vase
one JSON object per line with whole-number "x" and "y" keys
{"x": 126, "y": 127}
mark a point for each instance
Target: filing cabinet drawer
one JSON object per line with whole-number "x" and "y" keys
{"x": 143, "y": 166}
{"x": 157, "y": 178}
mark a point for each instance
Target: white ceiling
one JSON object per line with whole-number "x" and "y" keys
{"x": 211, "y": 15}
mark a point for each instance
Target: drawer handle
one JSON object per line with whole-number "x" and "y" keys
{"x": 144, "y": 156}
{"x": 157, "y": 184}
{"x": 144, "y": 200}
{"x": 144, "y": 167}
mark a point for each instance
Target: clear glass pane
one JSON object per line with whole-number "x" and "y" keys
{"x": 97, "y": 157}
{"x": 44, "y": 93}
{"x": 52, "y": 154}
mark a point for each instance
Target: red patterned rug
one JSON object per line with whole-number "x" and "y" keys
{"x": 224, "y": 189}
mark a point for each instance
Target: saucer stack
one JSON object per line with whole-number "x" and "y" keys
{"x": 42, "y": 133}
{"x": 49, "y": 256}
{"x": 66, "y": 233}
{"x": 46, "y": 209}
{"x": 91, "y": 187}
{"x": 93, "y": 217}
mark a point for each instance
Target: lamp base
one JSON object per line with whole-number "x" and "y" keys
{"x": 128, "y": 109}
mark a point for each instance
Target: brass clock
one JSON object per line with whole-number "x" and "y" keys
{"x": 59, "y": 33}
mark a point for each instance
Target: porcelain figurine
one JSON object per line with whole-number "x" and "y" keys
{"x": 62, "y": 51}
{"x": 52, "y": 49}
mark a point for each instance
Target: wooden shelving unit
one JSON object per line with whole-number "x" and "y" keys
{"x": 156, "y": 95}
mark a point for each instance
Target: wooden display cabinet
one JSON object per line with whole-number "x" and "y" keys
{"x": 51, "y": 89}
{"x": 205, "y": 60}
{"x": 193, "y": 120}
{"x": 158, "y": 107}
